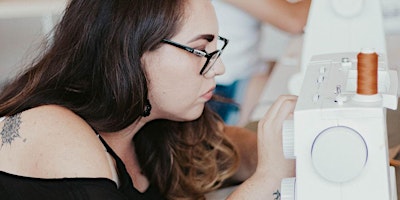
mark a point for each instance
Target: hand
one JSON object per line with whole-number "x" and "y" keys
{"x": 272, "y": 167}
{"x": 271, "y": 160}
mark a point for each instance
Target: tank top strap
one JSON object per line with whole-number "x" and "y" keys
{"x": 123, "y": 176}
{"x": 111, "y": 152}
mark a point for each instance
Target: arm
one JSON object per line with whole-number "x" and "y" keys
{"x": 272, "y": 167}
{"x": 289, "y": 17}
{"x": 245, "y": 141}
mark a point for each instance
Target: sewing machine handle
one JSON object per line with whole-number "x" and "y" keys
{"x": 390, "y": 98}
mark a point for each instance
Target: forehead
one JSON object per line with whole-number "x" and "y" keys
{"x": 200, "y": 18}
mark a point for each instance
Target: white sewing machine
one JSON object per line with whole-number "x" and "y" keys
{"x": 338, "y": 137}
{"x": 336, "y": 26}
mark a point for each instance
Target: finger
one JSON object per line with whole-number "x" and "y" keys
{"x": 274, "y": 109}
{"x": 286, "y": 110}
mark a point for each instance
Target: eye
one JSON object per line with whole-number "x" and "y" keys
{"x": 202, "y": 48}
{"x": 202, "y": 45}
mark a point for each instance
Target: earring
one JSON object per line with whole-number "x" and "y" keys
{"x": 147, "y": 108}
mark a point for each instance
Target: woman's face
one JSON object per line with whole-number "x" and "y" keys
{"x": 177, "y": 91}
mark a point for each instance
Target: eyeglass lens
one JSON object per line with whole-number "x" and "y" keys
{"x": 211, "y": 62}
{"x": 214, "y": 57}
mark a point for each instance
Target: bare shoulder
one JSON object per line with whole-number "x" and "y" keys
{"x": 51, "y": 142}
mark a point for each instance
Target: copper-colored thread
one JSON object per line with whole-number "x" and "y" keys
{"x": 367, "y": 73}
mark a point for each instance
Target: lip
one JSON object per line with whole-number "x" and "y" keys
{"x": 208, "y": 95}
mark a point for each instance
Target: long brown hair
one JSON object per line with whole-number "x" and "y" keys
{"x": 186, "y": 159}
{"x": 93, "y": 67}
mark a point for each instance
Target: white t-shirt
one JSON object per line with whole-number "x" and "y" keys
{"x": 242, "y": 56}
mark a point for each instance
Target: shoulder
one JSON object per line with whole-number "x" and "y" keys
{"x": 52, "y": 142}
{"x": 53, "y": 120}
{"x": 55, "y": 124}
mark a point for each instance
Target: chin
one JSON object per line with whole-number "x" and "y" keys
{"x": 191, "y": 114}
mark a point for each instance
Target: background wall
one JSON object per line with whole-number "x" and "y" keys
{"x": 23, "y": 26}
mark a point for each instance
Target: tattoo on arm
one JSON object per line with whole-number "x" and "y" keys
{"x": 277, "y": 195}
{"x": 10, "y": 129}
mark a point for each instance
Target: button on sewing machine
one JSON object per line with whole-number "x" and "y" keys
{"x": 322, "y": 70}
{"x": 315, "y": 98}
{"x": 340, "y": 99}
{"x": 346, "y": 62}
{"x": 320, "y": 79}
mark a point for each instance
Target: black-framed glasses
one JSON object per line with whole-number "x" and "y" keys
{"x": 211, "y": 57}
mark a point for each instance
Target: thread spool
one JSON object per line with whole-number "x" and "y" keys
{"x": 367, "y": 72}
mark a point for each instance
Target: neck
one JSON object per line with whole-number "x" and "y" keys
{"x": 122, "y": 139}
{"x": 122, "y": 144}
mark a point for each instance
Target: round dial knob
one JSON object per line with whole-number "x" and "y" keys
{"x": 288, "y": 188}
{"x": 288, "y": 139}
{"x": 339, "y": 154}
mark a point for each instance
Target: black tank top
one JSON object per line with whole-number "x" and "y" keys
{"x": 14, "y": 187}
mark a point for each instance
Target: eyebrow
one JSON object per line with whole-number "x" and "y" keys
{"x": 208, "y": 37}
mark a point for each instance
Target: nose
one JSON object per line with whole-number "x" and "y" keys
{"x": 217, "y": 69}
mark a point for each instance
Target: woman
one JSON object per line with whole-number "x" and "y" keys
{"x": 115, "y": 109}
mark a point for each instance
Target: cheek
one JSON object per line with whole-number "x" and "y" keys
{"x": 175, "y": 99}
{"x": 175, "y": 93}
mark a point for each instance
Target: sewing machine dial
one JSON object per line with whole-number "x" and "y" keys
{"x": 339, "y": 154}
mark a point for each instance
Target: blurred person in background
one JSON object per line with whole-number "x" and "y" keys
{"x": 246, "y": 70}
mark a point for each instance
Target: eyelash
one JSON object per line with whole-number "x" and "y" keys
{"x": 202, "y": 48}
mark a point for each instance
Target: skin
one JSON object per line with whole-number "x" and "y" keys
{"x": 174, "y": 73}
{"x": 72, "y": 149}
{"x": 272, "y": 167}
{"x": 174, "y": 79}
